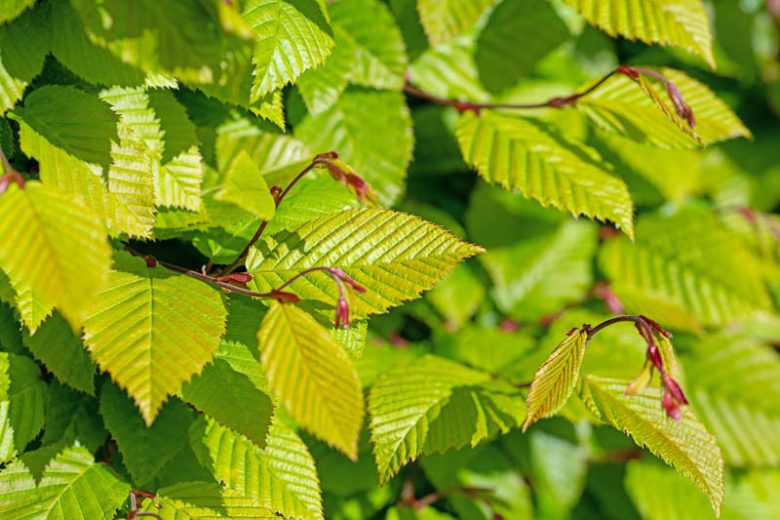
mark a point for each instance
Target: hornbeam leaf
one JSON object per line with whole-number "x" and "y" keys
{"x": 680, "y": 23}
{"x": 281, "y": 477}
{"x": 79, "y": 123}
{"x": 52, "y": 245}
{"x": 641, "y": 109}
{"x": 13, "y": 8}
{"x": 393, "y": 255}
{"x": 519, "y": 153}
{"x": 145, "y": 449}
{"x": 73, "y": 486}
{"x": 379, "y": 147}
{"x": 433, "y": 405}
{"x": 312, "y": 376}
{"x": 685, "y": 270}
{"x": 152, "y": 330}
{"x": 444, "y": 19}
{"x": 291, "y": 37}
{"x": 245, "y": 187}
{"x": 734, "y": 385}
{"x": 63, "y": 353}
{"x": 22, "y": 401}
{"x": 685, "y": 444}
{"x": 231, "y": 397}
{"x": 555, "y": 380}
{"x": 204, "y": 501}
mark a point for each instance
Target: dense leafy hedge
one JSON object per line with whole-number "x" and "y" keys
{"x": 202, "y": 281}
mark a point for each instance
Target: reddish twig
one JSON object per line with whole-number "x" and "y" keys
{"x": 10, "y": 175}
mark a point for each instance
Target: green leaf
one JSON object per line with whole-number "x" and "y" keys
{"x": 393, "y": 255}
{"x": 22, "y": 403}
{"x": 152, "y": 330}
{"x": 13, "y": 8}
{"x": 685, "y": 444}
{"x": 291, "y": 37}
{"x": 73, "y": 486}
{"x": 245, "y": 187}
{"x": 555, "y": 380}
{"x": 25, "y": 43}
{"x": 177, "y": 182}
{"x": 444, "y": 19}
{"x": 282, "y": 477}
{"x": 312, "y": 376}
{"x": 79, "y": 123}
{"x": 231, "y": 397}
{"x": 177, "y": 129}
{"x": 679, "y": 23}
{"x": 63, "y": 353}
{"x": 685, "y": 270}
{"x": 532, "y": 24}
{"x": 637, "y": 109}
{"x": 203, "y": 500}
{"x": 449, "y": 71}
{"x": 145, "y": 449}
{"x": 660, "y": 493}
{"x": 734, "y": 385}
{"x": 521, "y": 154}
{"x": 52, "y": 245}
{"x": 433, "y": 405}
{"x": 72, "y": 47}
{"x": 378, "y": 147}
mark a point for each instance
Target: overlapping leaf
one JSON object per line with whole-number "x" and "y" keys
{"x": 312, "y": 376}
{"x": 73, "y": 486}
{"x": 152, "y": 330}
{"x": 282, "y": 477}
{"x": 22, "y": 402}
{"x": 63, "y": 354}
{"x": 291, "y": 37}
{"x": 640, "y": 109}
{"x": 245, "y": 187}
{"x": 680, "y": 23}
{"x": 685, "y": 444}
{"x": 369, "y": 52}
{"x": 395, "y": 256}
{"x": 521, "y": 154}
{"x": 377, "y": 147}
{"x": 52, "y": 245}
{"x": 204, "y": 500}
{"x": 145, "y": 449}
{"x": 14, "y": 8}
{"x": 555, "y": 380}
{"x": 433, "y": 405}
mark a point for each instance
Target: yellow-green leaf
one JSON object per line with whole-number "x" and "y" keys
{"x": 52, "y": 245}
{"x": 312, "y": 376}
{"x": 685, "y": 444}
{"x": 555, "y": 380}
{"x": 245, "y": 187}
{"x": 152, "y": 330}
{"x": 680, "y": 23}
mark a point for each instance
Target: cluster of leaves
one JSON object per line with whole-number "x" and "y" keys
{"x": 191, "y": 190}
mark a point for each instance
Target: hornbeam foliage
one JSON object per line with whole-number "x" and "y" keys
{"x": 362, "y": 259}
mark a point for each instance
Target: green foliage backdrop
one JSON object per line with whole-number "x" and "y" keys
{"x": 403, "y": 259}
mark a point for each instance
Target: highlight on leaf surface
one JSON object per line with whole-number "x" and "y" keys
{"x": 555, "y": 380}
{"x": 685, "y": 444}
{"x": 680, "y": 23}
{"x": 393, "y": 255}
{"x": 520, "y": 154}
{"x": 432, "y": 405}
{"x": 312, "y": 376}
{"x": 141, "y": 321}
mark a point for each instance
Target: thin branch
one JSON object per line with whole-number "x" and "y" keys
{"x": 322, "y": 158}
{"x": 10, "y": 173}
{"x": 200, "y": 276}
{"x": 555, "y": 102}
